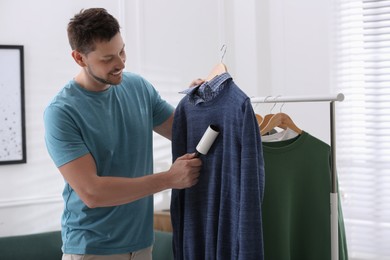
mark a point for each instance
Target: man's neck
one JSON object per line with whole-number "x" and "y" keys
{"x": 88, "y": 83}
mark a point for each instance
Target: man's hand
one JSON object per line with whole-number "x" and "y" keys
{"x": 196, "y": 82}
{"x": 184, "y": 172}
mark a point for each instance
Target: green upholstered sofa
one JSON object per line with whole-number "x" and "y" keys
{"x": 47, "y": 246}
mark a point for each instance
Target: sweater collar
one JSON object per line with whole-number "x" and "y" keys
{"x": 207, "y": 90}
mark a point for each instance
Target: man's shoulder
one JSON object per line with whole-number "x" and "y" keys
{"x": 135, "y": 83}
{"x": 129, "y": 77}
{"x": 64, "y": 93}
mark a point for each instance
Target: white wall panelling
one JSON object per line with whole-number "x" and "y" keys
{"x": 30, "y": 194}
{"x": 274, "y": 47}
{"x": 30, "y": 215}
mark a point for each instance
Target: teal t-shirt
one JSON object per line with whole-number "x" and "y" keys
{"x": 116, "y": 127}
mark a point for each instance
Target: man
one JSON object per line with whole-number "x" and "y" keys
{"x": 99, "y": 134}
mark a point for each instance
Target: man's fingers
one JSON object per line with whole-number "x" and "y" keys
{"x": 187, "y": 156}
{"x": 196, "y": 82}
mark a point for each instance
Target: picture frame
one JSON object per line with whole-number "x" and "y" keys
{"x": 12, "y": 106}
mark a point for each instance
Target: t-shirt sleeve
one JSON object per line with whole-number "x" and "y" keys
{"x": 63, "y": 139}
{"x": 161, "y": 109}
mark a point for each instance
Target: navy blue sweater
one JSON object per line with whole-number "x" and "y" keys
{"x": 220, "y": 217}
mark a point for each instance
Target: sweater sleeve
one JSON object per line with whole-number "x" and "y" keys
{"x": 251, "y": 188}
{"x": 179, "y": 148}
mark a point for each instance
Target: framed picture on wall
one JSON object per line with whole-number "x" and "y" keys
{"x": 12, "y": 109}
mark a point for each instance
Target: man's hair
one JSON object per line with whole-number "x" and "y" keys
{"x": 90, "y": 26}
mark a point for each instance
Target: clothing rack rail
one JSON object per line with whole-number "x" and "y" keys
{"x": 333, "y": 195}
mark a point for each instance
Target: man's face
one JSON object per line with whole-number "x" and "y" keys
{"x": 106, "y": 63}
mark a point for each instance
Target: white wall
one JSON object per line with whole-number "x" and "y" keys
{"x": 274, "y": 47}
{"x": 30, "y": 194}
{"x": 296, "y": 62}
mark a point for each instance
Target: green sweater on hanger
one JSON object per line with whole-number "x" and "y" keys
{"x": 296, "y": 206}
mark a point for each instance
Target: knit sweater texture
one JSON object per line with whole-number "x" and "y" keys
{"x": 220, "y": 217}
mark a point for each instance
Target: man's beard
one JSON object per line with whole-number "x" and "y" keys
{"x": 101, "y": 80}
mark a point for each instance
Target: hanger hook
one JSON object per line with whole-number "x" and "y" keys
{"x": 265, "y": 99}
{"x": 274, "y": 103}
{"x": 255, "y": 104}
{"x": 224, "y": 51}
{"x": 282, "y": 106}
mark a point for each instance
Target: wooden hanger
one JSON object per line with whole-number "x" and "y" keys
{"x": 217, "y": 70}
{"x": 259, "y": 119}
{"x": 287, "y": 122}
{"x": 270, "y": 122}
{"x": 281, "y": 120}
{"x": 267, "y": 118}
{"x": 265, "y": 121}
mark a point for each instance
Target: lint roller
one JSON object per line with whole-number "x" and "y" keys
{"x": 207, "y": 140}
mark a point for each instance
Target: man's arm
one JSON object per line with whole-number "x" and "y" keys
{"x": 165, "y": 129}
{"x": 96, "y": 191}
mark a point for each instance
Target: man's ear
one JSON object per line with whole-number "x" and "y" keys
{"x": 79, "y": 58}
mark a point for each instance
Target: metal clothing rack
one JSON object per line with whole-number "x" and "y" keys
{"x": 333, "y": 195}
